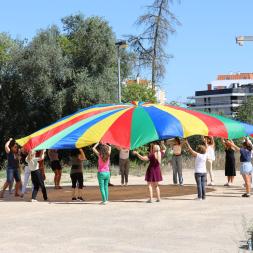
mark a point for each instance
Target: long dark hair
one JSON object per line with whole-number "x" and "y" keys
{"x": 247, "y": 145}
{"x": 178, "y": 141}
{"x": 104, "y": 152}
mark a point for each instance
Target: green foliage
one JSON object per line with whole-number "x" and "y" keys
{"x": 56, "y": 73}
{"x": 137, "y": 92}
{"x": 245, "y": 111}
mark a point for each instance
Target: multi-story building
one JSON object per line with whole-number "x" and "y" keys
{"x": 160, "y": 94}
{"x": 224, "y": 95}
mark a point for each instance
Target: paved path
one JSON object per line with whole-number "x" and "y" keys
{"x": 177, "y": 224}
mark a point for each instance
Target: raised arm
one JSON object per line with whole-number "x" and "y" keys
{"x": 82, "y": 156}
{"x": 7, "y": 149}
{"x": 42, "y": 155}
{"x": 143, "y": 158}
{"x": 194, "y": 153}
{"x": 95, "y": 149}
{"x": 212, "y": 141}
{"x": 247, "y": 139}
{"x": 223, "y": 142}
{"x": 109, "y": 149}
{"x": 205, "y": 143}
{"x": 234, "y": 146}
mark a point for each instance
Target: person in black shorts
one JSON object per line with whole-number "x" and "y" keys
{"x": 56, "y": 167}
{"x": 76, "y": 173}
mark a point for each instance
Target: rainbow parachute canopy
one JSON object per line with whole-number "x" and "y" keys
{"x": 131, "y": 126}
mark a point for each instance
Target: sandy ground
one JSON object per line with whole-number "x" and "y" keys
{"x": 177, "y": 224}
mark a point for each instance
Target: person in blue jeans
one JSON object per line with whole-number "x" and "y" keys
{"x": 11, "y": 149}
{"x": 200, "y": 168}
{"x": 103, "y": 174}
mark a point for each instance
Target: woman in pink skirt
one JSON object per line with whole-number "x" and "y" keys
{"x": 153, "y": 173}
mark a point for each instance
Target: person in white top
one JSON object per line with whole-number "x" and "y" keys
{"x": 37, "y": 179}
{"x": 200, "y": 168}
{"x": 210, "y": 152}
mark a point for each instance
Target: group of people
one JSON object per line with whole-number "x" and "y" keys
{"x": 33, "y": 164}
{"x": 204, "y": 157}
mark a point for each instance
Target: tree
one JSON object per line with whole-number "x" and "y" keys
{"x": 158, "y": 22}
{"x": 137, "y": 92}
{"x": 56, "y": 73}
{"x": 245, "y": 111}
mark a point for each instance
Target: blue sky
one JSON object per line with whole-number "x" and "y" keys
{"x": 203, "y": 47}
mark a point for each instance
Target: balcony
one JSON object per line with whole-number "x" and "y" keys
{"x": 211, "y": 104}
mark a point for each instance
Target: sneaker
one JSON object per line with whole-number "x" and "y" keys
{"x": 80, "y": 198}
{"x": 34, "y": 200}
{"x": 158, "y": 200}
{"x": 74, "y": 198}
{"x": 199, "y": 199}
{"x": 246, "y": 195}
{"x": 103, "y": 203}
{"x": 211, "y": 184}
{"x": 110, "y": 184}
{"x": 149, "y": 201}
{"x": 181, "y": 184}
{"x": 227, "y": 184}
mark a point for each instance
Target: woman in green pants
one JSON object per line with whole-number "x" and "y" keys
{"x": 103, "y": 154}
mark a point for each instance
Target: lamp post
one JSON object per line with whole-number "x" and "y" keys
{"x": 241, "y": 39}
{"x": 120, "y": 44}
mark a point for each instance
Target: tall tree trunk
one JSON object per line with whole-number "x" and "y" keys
{"x": 154, "y": 69}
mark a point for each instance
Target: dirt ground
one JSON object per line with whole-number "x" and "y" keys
{"x": 116, "y": 193}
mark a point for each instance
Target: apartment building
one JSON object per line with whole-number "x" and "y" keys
{"x": 224, "y": 95}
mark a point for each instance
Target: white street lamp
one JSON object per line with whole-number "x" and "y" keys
{"x": 120, "y": 44}
{"x": 240, "y": 39}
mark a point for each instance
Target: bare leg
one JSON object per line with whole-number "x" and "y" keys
{"x": 55, "y": 179}
{"x": 17, "y": 188}
{"x": 150, "y": 188}
{"x": 6, "y": 184}
{"x": 74, "y": 195}
{"x": 248, "y": 183}
{"x": 81, "y": 193}
{"x": 157, "y": 191}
